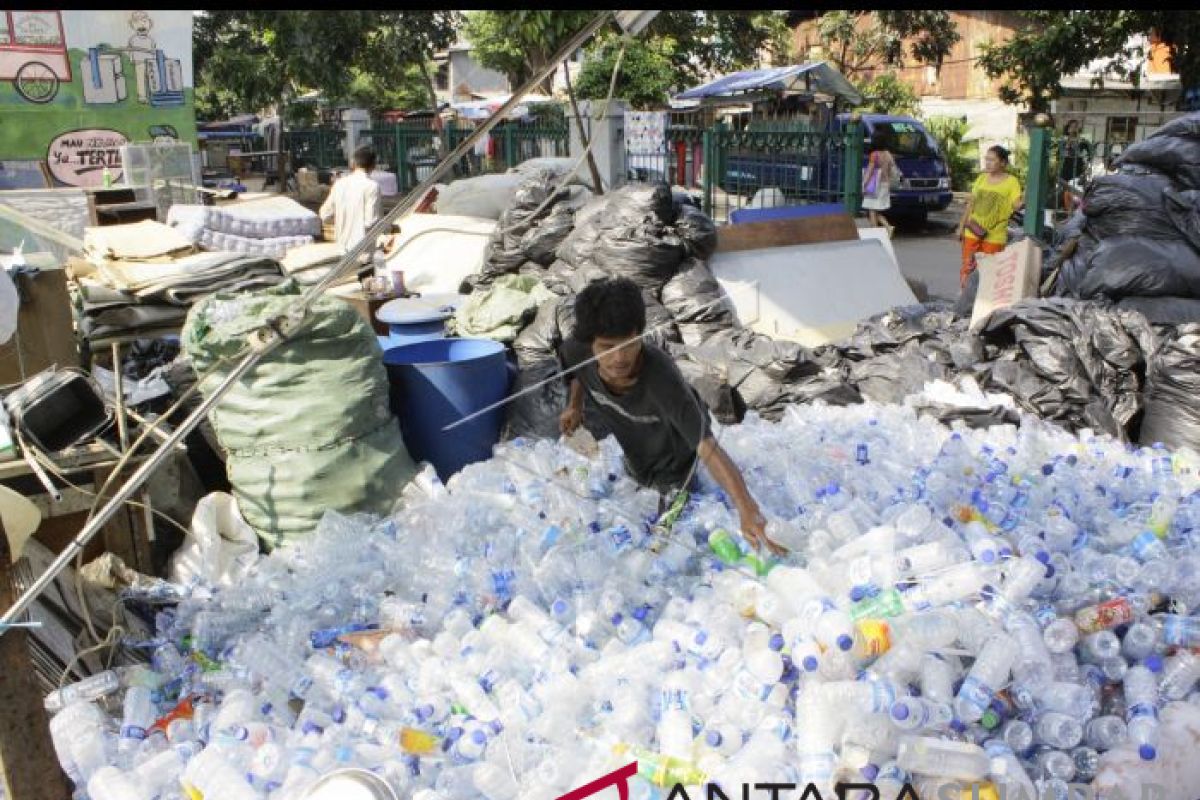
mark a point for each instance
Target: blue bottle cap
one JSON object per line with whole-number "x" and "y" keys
{"x": 988, "y": 556}
{"x": 856, "y": 594}
{"x": 558, "y": 607}
{"x": 1042, "y": 556}
{"x": 701, "y": 637}
{"x": 776, "y": 642}
{"x": 616, "y": 619}
{"x": 844, "y": 642}
{"x": 957, "y": 725}
{"x": 1154, "y": 663}
{"x": 870, "y": 772}
{"x": 478, "y": 737}
{"x": 899, "y": 711}
{"x": 810, "y": 663}
{"x": 713, "y": 738}
{"x": 1147, "y": 752}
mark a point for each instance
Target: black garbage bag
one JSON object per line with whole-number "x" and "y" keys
{"x": 635, "y": 203}
{"x": 576, "y": 249}
{"x": 898, "y": 327}
{"x": 1128, "y": 205}
{"x": 660, "y": 328}
{"x": 693, "y": 297}
{"x": 1123, "y": 266}
{"x": 697, "y": 231}
{"x": 1172, "y": 414}
{"x": 535, "y": 411}
{"x": 714, "y": 390}
{"x": 541, "y": 243}
{"x": 1174, "y": 149}
{"x": 540, "y": 338}
{"x": 891, "y": 377}
{"x": 1164, "y": 310}
{"x": 1071, "y": 361}
{"x": 1184, "y": 210}
{"x": 648, "y": 253}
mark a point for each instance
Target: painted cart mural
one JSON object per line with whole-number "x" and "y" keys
{"x": 77, "y": 85}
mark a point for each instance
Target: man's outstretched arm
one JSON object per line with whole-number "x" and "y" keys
{"x": 727, "y": 474}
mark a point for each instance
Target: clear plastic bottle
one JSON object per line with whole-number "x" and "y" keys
{"x": 1006, "y": 770}
{"x": 1180, "y": 673}
{"x": 1105, "y": 732}
{"x": 1061, "y": 635}
{"x": 917, "y": 713}
{"x": 942, "y": 758}
{"x": 90, "y": 688}
{"x": 1058, "y": 730}
{"x": 988, "y": 674}
{"x": 1141, "y": 702}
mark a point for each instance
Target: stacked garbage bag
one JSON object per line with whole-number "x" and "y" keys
{"x": 1137, "y": 240}
{"x": 998, "y": 613}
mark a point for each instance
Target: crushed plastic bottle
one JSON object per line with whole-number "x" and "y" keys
{"x": 970, "y": 606}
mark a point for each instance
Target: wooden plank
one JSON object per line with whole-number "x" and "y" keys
{"x": 785, "y": 232}
{"x": 27, "y": 759}
{"x": 45, "y": 329}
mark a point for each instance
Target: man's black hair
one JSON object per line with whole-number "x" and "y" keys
{"x": 611, "y": 307}
{"x": 364, "y": 158}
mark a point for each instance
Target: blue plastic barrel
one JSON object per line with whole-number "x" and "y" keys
{"x": 411, "y": 319}
{"x": 440, "y": 381}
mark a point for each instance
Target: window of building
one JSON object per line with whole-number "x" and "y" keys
{"x": 4, "y": 27}
{"x": 36, "y": 27}
{"x": 441, "y": 80}
{"x": 1121, "y": 129}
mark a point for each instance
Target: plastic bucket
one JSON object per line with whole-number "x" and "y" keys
{"x": 440, "y": 381}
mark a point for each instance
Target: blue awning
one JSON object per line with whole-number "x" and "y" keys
{"x": 807, "y": 78}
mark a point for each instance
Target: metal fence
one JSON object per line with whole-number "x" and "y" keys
{"x": 315, "y": 148}
{"x": 412, "y": 149}
{"x": 784, "y": 164}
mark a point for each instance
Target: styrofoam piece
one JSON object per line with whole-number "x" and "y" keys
{"x": 812, "y": 294}
{"x": 880, "y": 235}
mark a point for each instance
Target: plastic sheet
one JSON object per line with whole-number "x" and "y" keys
{"x": 1172, "y": 413}
{"x": 1174, "y": 149}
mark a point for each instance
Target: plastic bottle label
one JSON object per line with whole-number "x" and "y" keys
{"x": 1106, "y": 615}
{"x": 876, "y": 637}
{"x": 976, "y": 692}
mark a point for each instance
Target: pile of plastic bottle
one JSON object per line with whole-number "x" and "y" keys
{"x": 985, "y": 607}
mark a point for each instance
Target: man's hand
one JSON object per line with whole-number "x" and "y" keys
{"x": 570, "y": 420}
{"x": 754, "y": 528}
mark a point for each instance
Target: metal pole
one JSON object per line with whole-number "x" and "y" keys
{"x": 291, "y": 321}
{"x": 125, "y": 492}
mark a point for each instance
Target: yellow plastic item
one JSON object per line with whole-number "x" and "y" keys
{"x": 979, "y": 791}
{"x": 419, "y": 743}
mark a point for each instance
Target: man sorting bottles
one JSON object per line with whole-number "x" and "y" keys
{"x": 640, "y": 395}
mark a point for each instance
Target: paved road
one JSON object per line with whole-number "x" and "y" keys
{"x": 931, "y": 253}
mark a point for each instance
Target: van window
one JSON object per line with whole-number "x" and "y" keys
{"x": 907, "y": 139}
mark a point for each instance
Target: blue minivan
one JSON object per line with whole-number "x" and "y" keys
{"x": 925, "y": 186}
{"x": 816, "y": 173}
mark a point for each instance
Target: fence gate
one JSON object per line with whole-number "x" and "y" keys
{"x": 788, "y": 164}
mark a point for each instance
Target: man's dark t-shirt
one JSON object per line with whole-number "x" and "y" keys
{"x": 659, "y": 422}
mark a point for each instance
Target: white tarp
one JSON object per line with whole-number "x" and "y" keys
{"x": 436, "y": 251}
{"x": 813, "y": 294}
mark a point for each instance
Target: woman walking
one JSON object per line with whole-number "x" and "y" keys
{"x": 995, "y": 195}
{"x": 877, "y": 182}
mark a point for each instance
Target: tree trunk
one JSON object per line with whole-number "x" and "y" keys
{"x": 433, "y": 101}
{"x": 597, "y": 182}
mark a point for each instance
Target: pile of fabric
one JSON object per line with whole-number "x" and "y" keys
{"x": 266, "y": 227}
{"x": 1137, "y": 240}
{"x": 142, "y": 279}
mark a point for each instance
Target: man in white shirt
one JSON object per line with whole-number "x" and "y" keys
{"x": 355, "y": 201}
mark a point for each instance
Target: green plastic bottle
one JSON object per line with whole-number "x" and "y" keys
{"x": 883, "y": 605}
{"x": 724, "y": 547}
{"x": 663, "y": 771}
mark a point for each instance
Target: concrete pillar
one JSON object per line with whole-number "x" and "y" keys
{"x": 354, "y": 122}
{"x": 608, "y": 134}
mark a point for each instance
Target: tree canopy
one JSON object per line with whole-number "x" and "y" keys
{"x": 676, "y": 50}
{"x": 1053, "y": 44}
{"x": 860, "y": 40}
{"x": 247, "y": 60}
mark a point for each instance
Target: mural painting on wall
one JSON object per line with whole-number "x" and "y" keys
{"x": 84, "y": 83}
